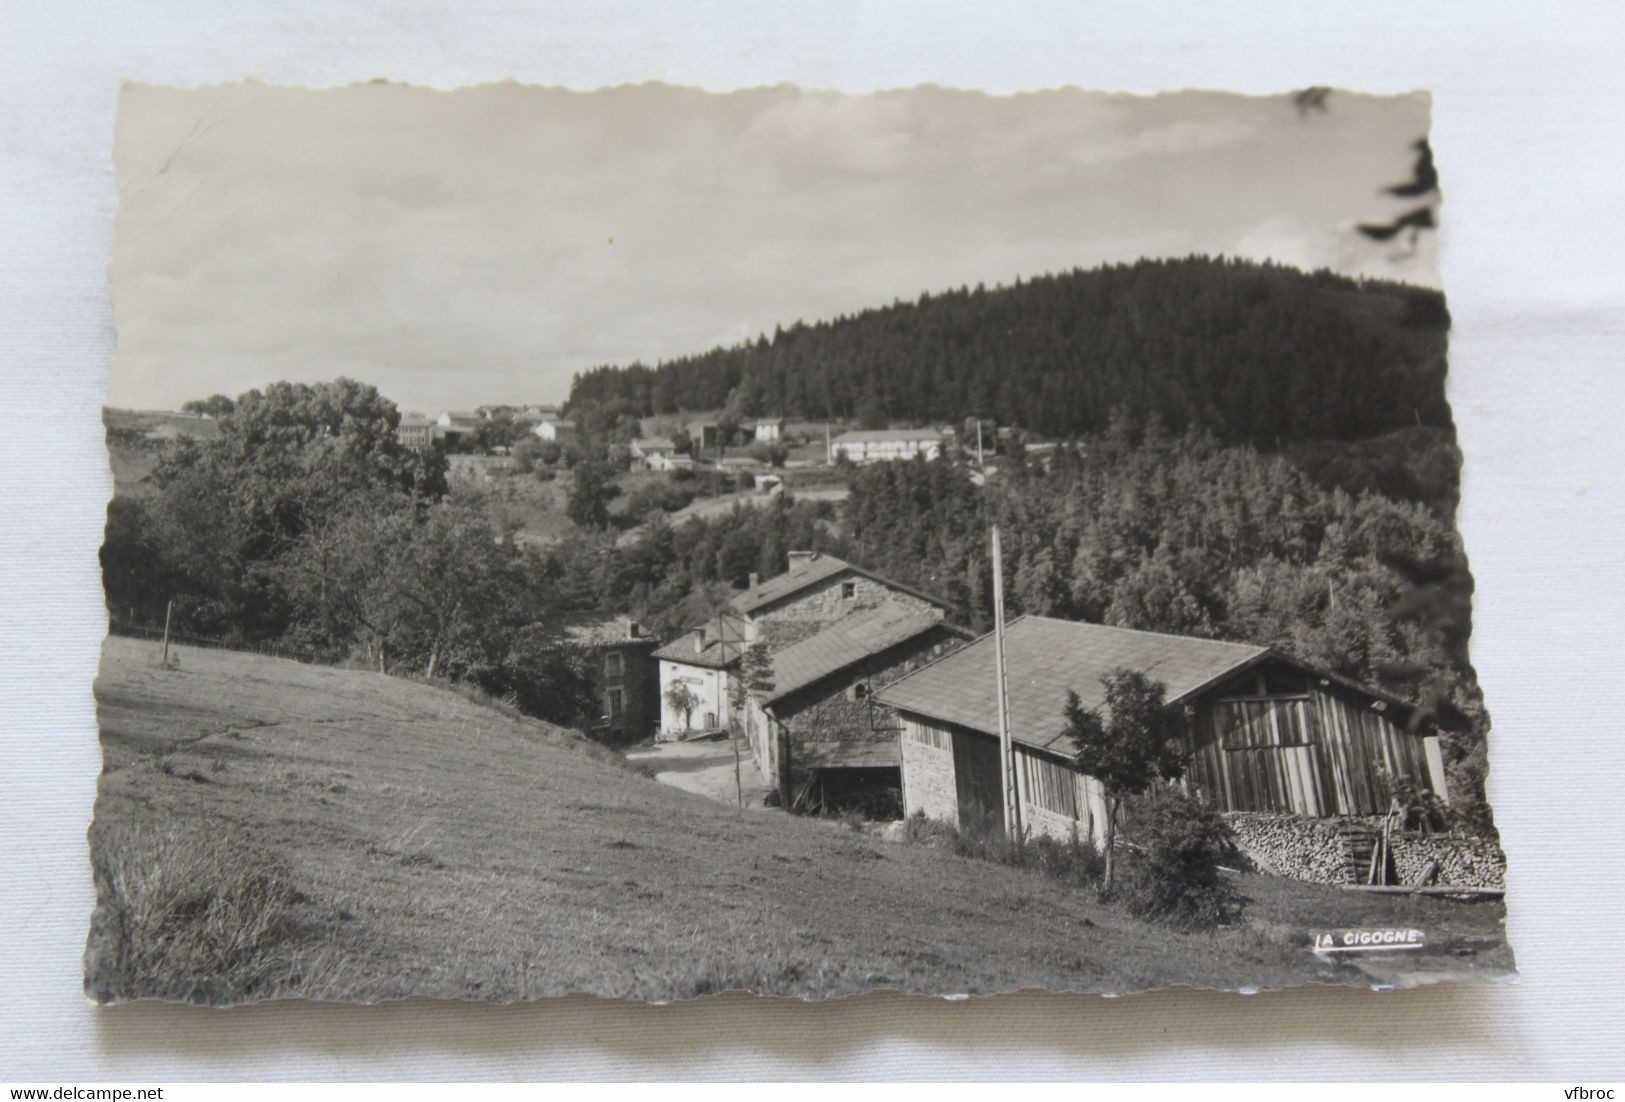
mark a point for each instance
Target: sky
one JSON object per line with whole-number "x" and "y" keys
{"x": 483, "y": 245}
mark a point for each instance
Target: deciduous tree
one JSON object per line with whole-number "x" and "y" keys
{"x": 1133, "y": 740}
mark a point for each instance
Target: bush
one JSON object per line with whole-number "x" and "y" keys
{"x": 1173, "y": 874}
{"x": 1073, "y": 861}
{"x": 663, "y": 495}
{"x": 1419, "y": 809}
{"x": 922, "y": 831}
{"x": 770, "y": 454}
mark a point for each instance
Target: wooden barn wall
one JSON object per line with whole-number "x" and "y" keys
{"x": 1340, "y": 772}
{"x": 1078, "y": 811}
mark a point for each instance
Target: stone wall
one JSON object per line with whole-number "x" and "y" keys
{"x": 928, "y": 773}
{"x": 830, "y": 710}
{"x": 1313, "y": 849}
{"x": 823, "y": 604}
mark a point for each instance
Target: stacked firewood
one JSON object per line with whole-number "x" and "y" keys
{"x": 1339, "y": 851}
{"x": 1445, "y": 859}
{"x": 1287, "y": 845}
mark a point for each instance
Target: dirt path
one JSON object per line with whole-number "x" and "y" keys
{"x": 706, "y": 768}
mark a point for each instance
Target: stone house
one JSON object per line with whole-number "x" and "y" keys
{"x": 625, "y": 678}
{"x": 814, "y": 727}
{"x": 815, "y": 592}
{"x": 1265, "y": 733}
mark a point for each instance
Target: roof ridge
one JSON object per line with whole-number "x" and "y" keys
{"x": 1256, "y": 647}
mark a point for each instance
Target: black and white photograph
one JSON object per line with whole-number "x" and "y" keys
{"x": 653, "y": 542}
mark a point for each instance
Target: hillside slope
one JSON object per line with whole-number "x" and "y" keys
{"x": 1251, "y": 352}
{"x": 267, "y": 828}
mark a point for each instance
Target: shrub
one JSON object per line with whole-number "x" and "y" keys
{"x": 664, "y": 495}
{"x": 922, "y": 831}
{"x": 1174, "y": 875}
{"x": 1419, "y": 809}
{"x": 1073, "y": 861}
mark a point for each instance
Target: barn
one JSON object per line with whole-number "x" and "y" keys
{"x": 1265, "y": 732}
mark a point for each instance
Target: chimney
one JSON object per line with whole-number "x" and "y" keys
{"x": 633, "y": 629}
{"x": 755, "y": 579}
{"x": 699, "y": 640}
{"x": 800, "y": 559}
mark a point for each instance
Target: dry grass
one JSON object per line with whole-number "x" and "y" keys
{"x": 270, "y": 828}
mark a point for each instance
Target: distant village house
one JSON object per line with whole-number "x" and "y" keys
{"x": 881, "y": 445}
{"x": 657, "y": 453}
{"x": 415, "y": 432}
{"x": 556, "y": 431}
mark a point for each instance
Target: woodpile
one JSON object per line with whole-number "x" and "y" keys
{"x": 1339, "y": 851}
{"x": 1471, "y": 862}
{"x": 1287, "y": 845}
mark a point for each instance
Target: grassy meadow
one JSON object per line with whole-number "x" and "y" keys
{"x": 266, "y": 828}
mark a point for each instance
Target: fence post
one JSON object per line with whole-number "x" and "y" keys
{"x": 168, "y": 608}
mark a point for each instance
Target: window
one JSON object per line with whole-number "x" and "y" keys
{"x": 929, "y": 736}
{"x": 617, "y": 703}
{"x": 860, "y": 691}
{"x": 849, "y": 590}
{"x": 614, "y": 663}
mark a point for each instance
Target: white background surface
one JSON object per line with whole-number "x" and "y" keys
{"x": 1528, "y": 124}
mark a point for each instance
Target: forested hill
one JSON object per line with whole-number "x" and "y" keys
{"x": 1252, "y": 352}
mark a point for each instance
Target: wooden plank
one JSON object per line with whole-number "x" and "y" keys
{"x": 1425, "y": 889}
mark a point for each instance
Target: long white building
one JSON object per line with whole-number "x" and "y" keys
{"x": 879, "y": 445}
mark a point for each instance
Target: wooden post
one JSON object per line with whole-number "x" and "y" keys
{"x": 169, "y": 607}
{"x": 1007, "y": 755}
{"x": 739, "y": 784}
{"x": 979, "y": 462}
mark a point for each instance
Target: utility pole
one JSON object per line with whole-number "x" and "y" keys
{"x": 979, "y": 462}
{"x": 1007, "y": 753}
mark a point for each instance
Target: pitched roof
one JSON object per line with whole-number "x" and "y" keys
{"x": 844, "y": 643}
{"x": 614, "y": 631}
{"x": 654, "y": 443}
{"x": 1044, "y": 659}
{"x": 872, "y": 435}
{"x": 722, "y": 648}
{"x": 804, "y": 575}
